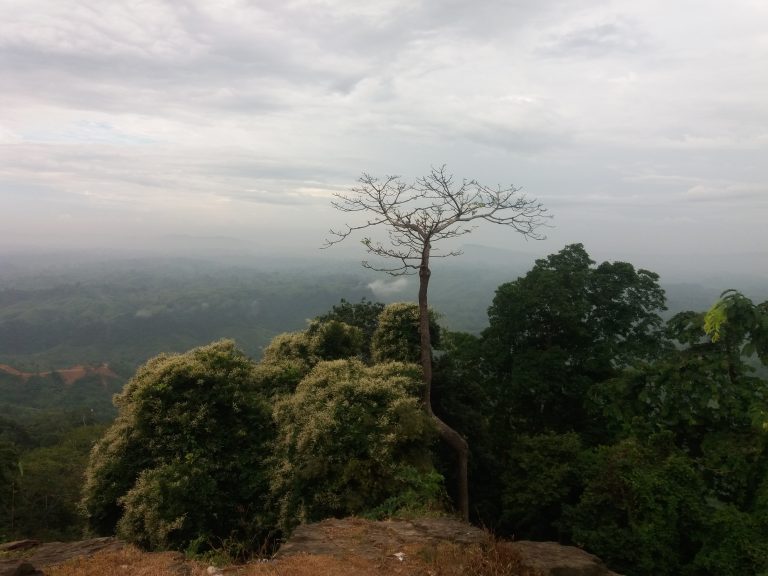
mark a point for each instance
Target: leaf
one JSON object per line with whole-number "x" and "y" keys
{"x": 715, "y": 319}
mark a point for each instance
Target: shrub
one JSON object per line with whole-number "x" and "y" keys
{"x": 186, "y": 458}
{"x": 291, "y": 355}
{"x": 353, "y": 439}
{"x": 396, "y": 338}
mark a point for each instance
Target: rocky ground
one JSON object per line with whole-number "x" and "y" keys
{"x": 415, "y": 547}
{"x": 391, "y": 539}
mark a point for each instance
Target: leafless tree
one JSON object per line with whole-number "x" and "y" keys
{"x": 416, "y": 216}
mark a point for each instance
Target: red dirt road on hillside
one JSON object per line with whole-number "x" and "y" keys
{"x": 68, "y": 375}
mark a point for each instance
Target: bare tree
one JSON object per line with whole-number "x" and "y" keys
{"x": 416, "y": 216}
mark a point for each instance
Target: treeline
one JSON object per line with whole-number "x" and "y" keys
{"x": 590, "y": 421}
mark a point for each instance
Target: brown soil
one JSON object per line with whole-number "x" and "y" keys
{"x": 13, "y": 372}
{"x": 68, "y": 375}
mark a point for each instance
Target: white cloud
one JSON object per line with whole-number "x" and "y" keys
{"x": 241, "y": 109}
{"x": 389, "y": 288}
{"x": 754, "y": 195}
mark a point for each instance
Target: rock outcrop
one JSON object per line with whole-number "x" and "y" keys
{"x": 31, "y": 555}
{"x": 369, "y": 539}
{"x": 388, "y": 545}
{"x": 389, "y": 538}
{"x": 553, "y": 559}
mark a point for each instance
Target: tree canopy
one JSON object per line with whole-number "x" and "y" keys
{"x": 353, "y": 440}
{"x": 419, "y": 214}
{"x": 186, "y": 458}
{"x": 565, "y": 325}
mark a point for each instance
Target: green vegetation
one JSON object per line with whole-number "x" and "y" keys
{"x": 353, "y": 440}
{"x": 591, "y": 421}
{"x": 396, "y": 337}
{"x": 90, "y": 395}
{"x": 41, "y": 467}
{"x": 185, "y": 461}
{"x": 644, "y": 443}
{"x": 125, "y": 313}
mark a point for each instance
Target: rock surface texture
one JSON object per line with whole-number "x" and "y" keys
{"x": 388, "y": 538}
{"x": 33, "y": 555}
{"x": 372, "y": 540}
{"x": 389, "y": 545}
{"x": 553, "y": 559}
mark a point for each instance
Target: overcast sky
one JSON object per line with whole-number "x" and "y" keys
{"x": 641, "y": 125}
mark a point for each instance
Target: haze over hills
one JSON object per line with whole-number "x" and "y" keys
{"x": 89, "y": 307}
{"x": 674, "y": 265}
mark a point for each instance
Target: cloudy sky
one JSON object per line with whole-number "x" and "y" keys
{"x": 642, "y": 126}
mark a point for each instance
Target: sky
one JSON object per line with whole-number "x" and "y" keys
{"x": 641, "y": 126}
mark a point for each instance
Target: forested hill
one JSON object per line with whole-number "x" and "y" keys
{"x": 83, "y": 390}
{"x": 55, "y": 315}
{"x": 125, "y": 312}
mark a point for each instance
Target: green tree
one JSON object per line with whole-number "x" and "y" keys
{"x": 704, "y": 385}
{"x": 740, "y": 327}
{"x": 735, "y": 543}
{"x": 541, "y": 475}
{"x": 396, "y": 338}
{"x": 564, "y": 326}
{"x": 185, "y": 460}
{"x": 291, "y": 355}
{"x": 353, "y": 440}
{"x": 363, "y": 315}
{"x": 688, "y": 392}
{"x": 641, "y": 509}
{"x": 703, "y": 396}
{"x": 48, "y": 492}
{"x": 417, "y": 216}
{"x": 9, "y": 471}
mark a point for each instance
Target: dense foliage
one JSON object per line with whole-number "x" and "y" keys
{"x": 363, "y": 315}
{"x": 196, "y": 456}
{"x": 42, "y": 461}
{"x": 590, "y": 419}
{"x": 354, "y": 440}
{"x": 396, "y": 337}
{"x": 290, "y": 356}
{"x": 185, "y": 461}
{"x": 562, "y": 327}
{"x": 645, "y": 443}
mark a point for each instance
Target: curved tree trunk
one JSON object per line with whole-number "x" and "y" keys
{"x": 447, "y": 434}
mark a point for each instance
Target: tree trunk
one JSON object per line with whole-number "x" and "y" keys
{"x": 448, "y": 434}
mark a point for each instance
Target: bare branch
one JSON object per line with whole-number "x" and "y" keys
{"x": 434, "y": 207}
{"x": 417, "y": 215}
